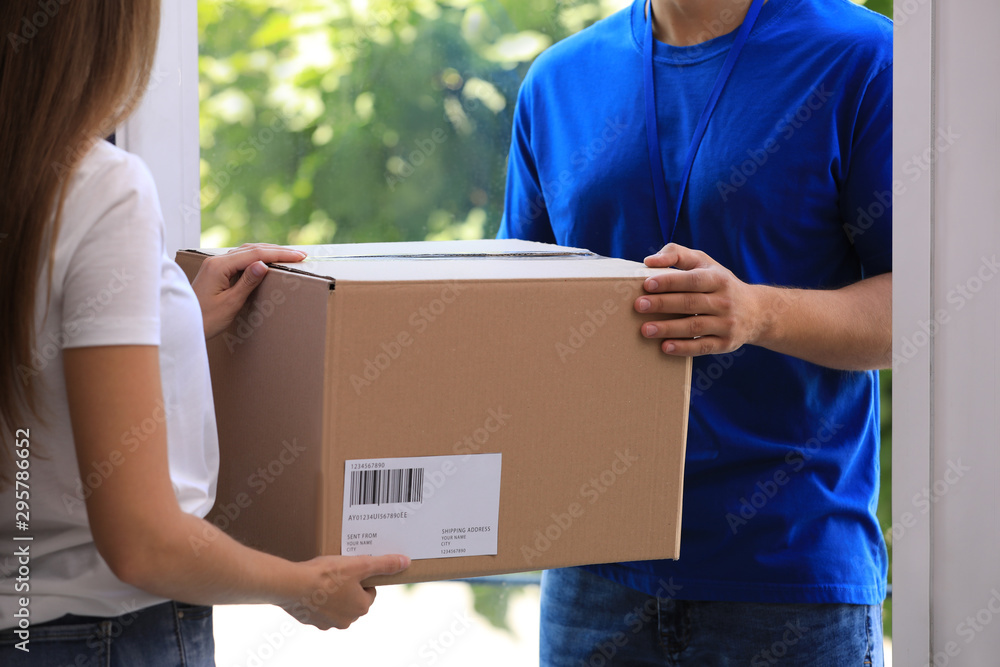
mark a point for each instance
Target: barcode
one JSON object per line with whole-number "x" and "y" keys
{"x": 383, "y": 487}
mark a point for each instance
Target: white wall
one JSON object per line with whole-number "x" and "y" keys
{"x": 164, "y": 130}
{"x": 946, "y": 444}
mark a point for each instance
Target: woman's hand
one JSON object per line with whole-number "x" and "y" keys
{"x": 332, "y": 596}
{"x": 220, "y": 297}
{"x": 139, "y": 528}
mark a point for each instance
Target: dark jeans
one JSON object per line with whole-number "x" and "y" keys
{"x": 589, "y": 621}
{"x": 170, "y": 634}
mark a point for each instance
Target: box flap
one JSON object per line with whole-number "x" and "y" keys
{"x": 487, "y": 259}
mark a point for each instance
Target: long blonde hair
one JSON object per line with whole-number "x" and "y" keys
{"x": 69, "y": 74}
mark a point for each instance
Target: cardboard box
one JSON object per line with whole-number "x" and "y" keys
{"x": 391, "y": 350}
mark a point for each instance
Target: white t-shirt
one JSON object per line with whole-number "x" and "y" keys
{"x": 112, "y": 284}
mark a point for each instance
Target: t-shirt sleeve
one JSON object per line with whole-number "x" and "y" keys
{"x": 111, "y": 293}
{"x": 524, "y": 213}
{"x": 866, "y": 202}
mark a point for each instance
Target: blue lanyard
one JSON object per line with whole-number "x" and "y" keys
{"x": 652, "y": 134}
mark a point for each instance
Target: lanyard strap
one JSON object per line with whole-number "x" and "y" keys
{"x": 668, "y": 226}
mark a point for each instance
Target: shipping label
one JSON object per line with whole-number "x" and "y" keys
{"x": 422, "y": 506}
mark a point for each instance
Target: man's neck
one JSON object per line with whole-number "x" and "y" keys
{"x": 689, "y": 22}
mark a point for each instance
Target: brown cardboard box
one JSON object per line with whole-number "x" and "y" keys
{"x": 430, "y": 349}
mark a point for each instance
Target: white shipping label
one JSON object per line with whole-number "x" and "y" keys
{"x": 422, "y": 506}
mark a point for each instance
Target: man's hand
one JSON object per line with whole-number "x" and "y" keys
{"x": 221, "y": 298}
{"x": 848, "y": 328}
{"x": 720, "y": 313}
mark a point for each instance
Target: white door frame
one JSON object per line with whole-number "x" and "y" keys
{"x": 913, "y": 255}
{"x": 164, "y": 130}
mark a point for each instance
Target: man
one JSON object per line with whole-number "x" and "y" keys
{"x": 783, "y": 239}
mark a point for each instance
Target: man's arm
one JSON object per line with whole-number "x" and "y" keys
{"x": 848, "y": 328}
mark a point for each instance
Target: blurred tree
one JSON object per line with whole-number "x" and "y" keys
{"x": 364, "y": 121}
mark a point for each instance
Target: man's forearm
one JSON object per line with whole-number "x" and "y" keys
{"x": 848, "y": 328}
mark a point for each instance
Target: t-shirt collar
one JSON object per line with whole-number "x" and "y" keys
{"x": 690, "y": 55}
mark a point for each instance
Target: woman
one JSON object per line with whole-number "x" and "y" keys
{"x": 109, "y": 449}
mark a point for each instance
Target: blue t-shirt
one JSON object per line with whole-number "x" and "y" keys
{"x": 791, "y": 187}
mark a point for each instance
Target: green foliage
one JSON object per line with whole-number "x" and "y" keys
{"x": 880, "y": 6}
{"x": 364, "y": 121}
{"x": 492, "y": 602}
{"x": 885, "y": 488}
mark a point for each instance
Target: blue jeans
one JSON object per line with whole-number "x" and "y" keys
{"x": 170, "y": 634}
{"x": 589, "y": 621}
